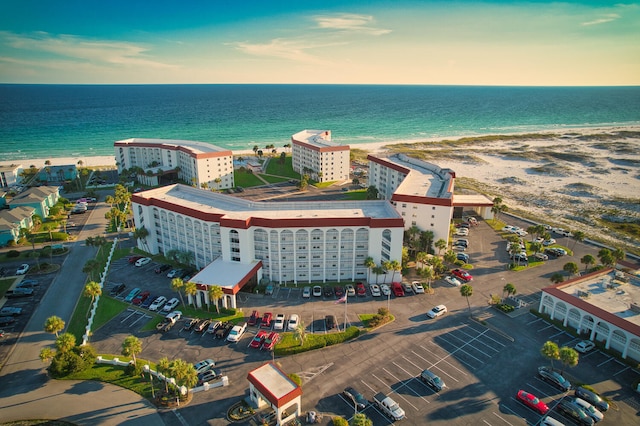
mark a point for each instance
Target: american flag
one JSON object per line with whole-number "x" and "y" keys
{"x": 342, "y": 299}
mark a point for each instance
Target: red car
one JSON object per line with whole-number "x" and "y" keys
{"x": 270, "y": 341}
{"x": 532, "y": 401}
{"x": 134, "y": 259}
{"x": 339, "y": 291}
{"x": 254, "y": 318}
{"x": 141, "y": 298}
{"x": 361, "y": 290}
{"x": 258, "y": 339}
{"x": 266, "y": 320}
{"x": 397, "y": 289}
{"x": 463, "y": 275}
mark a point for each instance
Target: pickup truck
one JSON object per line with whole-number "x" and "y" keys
{"x": 169, "y": 321}
{"x": 388, "y": 406}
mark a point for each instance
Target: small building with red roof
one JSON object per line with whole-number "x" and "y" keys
{"x": 270, "y": 386}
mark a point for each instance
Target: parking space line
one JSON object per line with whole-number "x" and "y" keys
{"x": 557, "y": 334}
{"x": 436, "y": 364}
{"x": 486, "y": 422}
{"x": 535, "y": 320}
{"x": 464, "y": 351}
{"x": 133, "y": 312}
{"x": 476, "y": 348}
{"x": 543, "y": 329}
{"x": 411, "y": 362}
{"x": 604, "y": 362}
{"x": 622, "y": 371}
{"x": 496, "y": 342}
{"x": 405, "y": 384}
{"x": 400, "y": 367}
{"x": 539, "y": 392}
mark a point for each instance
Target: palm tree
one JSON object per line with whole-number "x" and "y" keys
{"x": 569, "y": 357}
{"x": 588, "y": 260}
{"x": 215, "y": 293}
{"x": 578, "y": 236}
{"x": 606, "y": 257}
{"x": 426, "y": 241}
{"x": 386, "y": 265}
{"x": 508, "y": 289}
{"x": 90, "y": 267}
{"x": 141, "y": 234}
{"x": 176, "y": 285}
{"x": 394, "y": 266}
{"x": 428, "y": 274}
{"x": 536, "y": 247}
{"x": 369, "y": 263}
{"x": 46, "y": 354}
{"x": 190, "y": 289}
{"x": 131, "y": 346}
{"x": 372, "y": 193}
{"x": 299, "y": 333}
{"x": 556, "y": 278}
{"x": 65, "y": 342}
{"x": 441, "y": 244}
{"x": 571, "y": 268}
{"x": 92, "y": 290}
{"x": 421, "y": 258}
{"x": 450, "y": 256}
{"x": 163, "y": 367}
{"x": 184, "y": 373}
{"x": 467, "y": 291}
{"x": 618, "y": 255}
{"x": 551, "y": 351}
{"x": 54, "y": 324}
{"x": 217, "y": 182}
{"x": 255, "y": 149}
{"x": 378, "y": 270}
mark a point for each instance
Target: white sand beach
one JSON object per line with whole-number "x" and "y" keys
{"x": 568, "y": 177}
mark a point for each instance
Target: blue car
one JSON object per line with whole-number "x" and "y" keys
{"x": 132, "y": 294}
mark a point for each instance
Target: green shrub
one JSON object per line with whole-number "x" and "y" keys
{"x": 59, "y": 236}
{"x": 505, "y": 307}
{"x": 339, "y": 421}
{"x": 13, "y": 253}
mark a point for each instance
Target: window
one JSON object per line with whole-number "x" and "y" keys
{"x": 433, "y": 207}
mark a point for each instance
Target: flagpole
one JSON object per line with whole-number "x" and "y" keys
{"x": 345, "y": 311}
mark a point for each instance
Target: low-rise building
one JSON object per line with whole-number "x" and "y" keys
{"x": 314, "y": 153}
{"x": 41, "y": 198}
{"x": 9, "y": 175}
{"x": 11, "y": 221}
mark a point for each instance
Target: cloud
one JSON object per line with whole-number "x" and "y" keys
{"x": 293, "y": 50}
{"x": 607, "y": 18}
{"x": 350, "y": 22}
{"x": 76, "y": 48}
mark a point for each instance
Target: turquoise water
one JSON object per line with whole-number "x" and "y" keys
{"x": 45, "y": 121}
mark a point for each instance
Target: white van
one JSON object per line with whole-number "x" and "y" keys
{"x": 550, "y": 421}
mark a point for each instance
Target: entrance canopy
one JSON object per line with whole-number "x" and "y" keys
{"x": 231, "y": 276}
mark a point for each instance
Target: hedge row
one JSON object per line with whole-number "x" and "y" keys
{"x": 316, "y": 341}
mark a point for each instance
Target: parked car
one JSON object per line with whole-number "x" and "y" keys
{"x": 463, "y": 256}
{"x": 317, "y": 291}
{"x": 209, "y": 376}
{"x": 339, "y": 291}
{"x": 171, "y": 305}
{"x": 591, "y": 411}
{"x": 7, "y": 320}
{"x": 270, "y": 341}
{"x": 162, "y": 268}
{"x": 461, "y": 242}
{"x": 541, "y": 256}
{"x": 268, "y": 291}
{"x": 143, "y": 261}
{"x": 327, "y": 291}
{"x": 592, "y": 398}
{"x": 213, "y": 326}
{"x": 385, "y": 289}
{"x": 204, "y": 365}
{"x": 254, "y": 318}
{"x": 463, "y": 275}
{"x": 432, "y": 380}
{"x": 258, "y": 339}
{"x": 437, "y": 311}
{"x": 554, "y": 378}
{"x": 132, "y": 294}
{"x": 375, "y": 290}
{"x": 266, "y": 320}
{"x": 10, "y": 311}
{"x": 28, "y": 284}
{"x": 458, "y": 248}
{"x": 306, "y": 292}
{"x": 117, "y": 289}
{"x": 584, "y": 346}
{"x": 350, "y": 290}
{"x": 202, "y": 325}
{"x": 157, "y": 303}
{"x": 569, "y": 408}
{"x": 134, "y": 259}
{"x": 417, "y": 288}
{"x": 453, "y": 281}
{"x": 397, "y": 289}
{"x": 189, "y": 324}
{"x": 356, "y": 398}
{"x": 278, "y": 323}
{"x": 147, "y": 302}
{"x": 174, "y": 273}
{"x": 407, "y": 287}
{"x": 141, "y": 297}
{"x": 223, "y": 331}
{"x": 548, "y": 242}
{"x": 360, "y": 289}
{"x": 236, "y": 332}
{"x": 293, "y": 322}
{"x": 18, "y": 293}
{"x": 462, "y": 232}
{"x": 22, "y": 269}
{"x": 331, "y": 322}
{"x": 519, "y": 257}
{"x": 532, "y": 401}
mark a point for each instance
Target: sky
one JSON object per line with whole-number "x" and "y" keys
{"x": 535, "y": 43}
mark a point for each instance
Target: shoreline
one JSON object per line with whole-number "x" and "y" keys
{"x": 371, "y": 147}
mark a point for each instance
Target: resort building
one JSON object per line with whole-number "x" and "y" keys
{"x": 40, "y": 198}
{"x": 9, "y": 175}
{"x": 422, "y": 193}
{"x": 603, "y": 306}
{"x": 313, "y": 153}
{"x": 293, "y": 242}
{"x": 11, "y": 221}
{"x": 58, "y": 174}
{"x": 198, "y": 163}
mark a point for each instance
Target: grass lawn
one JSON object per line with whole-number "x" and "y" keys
{"x": 274, "y": 179}
{"x": 5, "y": 284}
{"x": 360, "y": 194}
{"x": 323, "y": 184}
{"x": 275, "y": 167}
{"x": 117, "y": 375}
{"x": 246, "y": 180}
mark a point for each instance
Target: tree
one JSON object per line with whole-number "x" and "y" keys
{"x": 498, "y": 207}
{"x": 394, "y": 266}
{"x": 378, "y": 270}
{"x": 141, "y": 234}
{"x": 46, "y": 354}
{"x": 360, "y": 419}
{"x": 441, "y": 244}
{"x": 283, "y": 157}
{"x": 426, "y": 241}
{"x": 578, "y": 236}
{"x": 428, "y": 274}
{"x": 386, "y": 265}
{"x": 372, "y": 193}
{"x": 299, "y": 333}
{"x": 587, "y": 260}
{"x": 190, "y": 289}
{"x": 467, "y": 291}
{"x": 184, "y": 373}
{"x": 606, "y": 257}
{"x": 421, "y": 258}
{"x": 556, "y": 278}
{"x": 369, "y": 263}
{"x": 535, "y": 247}
{"x": 131, "y": 346}
{"x": 450, "y": 256}
{"x": 92, "y": 290}
{"x": 618, "y": 255}
{"x": 339, "y": 421}
{"x": 163, "y": 367}
{"x": 176, "y": 285}
{"x": 90, "y": 267}
{"x": 550, "y": 351}
{"x": 508, "y": 289}
{"x": 255, "y": 150}
{"x": 65, "y": 342}
{"x": 217, "y": 182}
{"x": 568, "y": 357}
{"x": 54, "y": 325}
{"x": 571, "y": 268}
{"x": 215, "y": 293}
{"x": 260, "y": 153}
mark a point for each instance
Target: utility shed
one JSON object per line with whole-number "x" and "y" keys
{"x": 270, "y": 386}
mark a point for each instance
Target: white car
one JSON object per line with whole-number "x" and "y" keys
{"x": 278, "y": 323}
{"x": 170, "y": 305}
{"x": 459, "y": 247}
{"x": 584, "y": 346}
{"x": 385, "y": 289}
{"x": 541, "y": 256}
{"x": 521, "y": 233}
{"x": 437, "y": 311}
{"x": 157, "y": 304}
{"x": 317, "y": 291}
{"x": 350, "y": 290}
{"x": 143, "y": 261}
{"x": 293, "y": 322}
{"x": 549, "y": 242}
{"x": 375, "y": 290}
{"x": 204, "y": 365}
{"x": 591, "y": 411}
{"x": 453, "y": 281}
{"x": 306, "y": 292}
{"x": 22, "y": 269}
{"x": 236, "y": 332}
{"x": 417, "y": 287}
{"x": 462, "y": 232}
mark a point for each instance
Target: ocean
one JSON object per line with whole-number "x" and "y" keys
{"x": 46, "y": 121}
